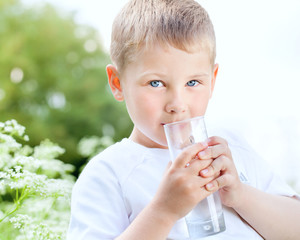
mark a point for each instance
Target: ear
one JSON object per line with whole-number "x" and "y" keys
{"x": 213, "y": 79}
{"x": 114, "y": 82}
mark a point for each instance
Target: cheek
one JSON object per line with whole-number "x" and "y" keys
{"x": 199, "y": 103}
{"x": 148, "y": 103}
{"x": 143, "y": 105}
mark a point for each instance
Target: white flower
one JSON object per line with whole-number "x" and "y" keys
{"x": 4, "y": 175}
{"x": 18, "y": 168}
{"x": 8, "y": 143}
{"x": 20, "y": 220}
{"x": 40, "y": 186}
{"x": 13, "y": 128}
{"x": 29, "y": 163}
{"x": 90, "y": 146}
{"x": 55, "y": 168}
{"x": 2, "y": 190}
{"x": 26, "y": 138}
{"x": 58, "y": 187}
{"x": 48, "y": 150}
{"x": 8, "y": 129}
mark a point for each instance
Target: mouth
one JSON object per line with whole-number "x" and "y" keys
{"x": 170, "y": 122}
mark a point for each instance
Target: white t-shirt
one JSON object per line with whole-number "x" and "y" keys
{"x": 119, "y": 182}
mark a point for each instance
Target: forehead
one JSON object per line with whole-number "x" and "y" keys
{"x": 148, "y": 47}
{"x": 168, "y": 60}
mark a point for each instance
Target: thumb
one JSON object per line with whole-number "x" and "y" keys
{"x": 168, "y": 166}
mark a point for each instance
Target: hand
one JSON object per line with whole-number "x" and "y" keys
{"x": 182, "y": 187}
{"x": 223, "y": 170}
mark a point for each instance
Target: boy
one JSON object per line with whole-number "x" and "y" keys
{"x": 163, "y": 55}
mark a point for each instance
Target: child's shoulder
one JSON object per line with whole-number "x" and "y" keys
{"x": 118, "y": 159}
{"x": 124, "y": 151}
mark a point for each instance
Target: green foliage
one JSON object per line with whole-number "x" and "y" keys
{"x": 53, "y": 80}
{"x": 35, "y": 187}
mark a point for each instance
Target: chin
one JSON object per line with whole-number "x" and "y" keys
{"x": 161, "y": 142}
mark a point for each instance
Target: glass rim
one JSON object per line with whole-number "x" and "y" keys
{"x": 183, "y": 121}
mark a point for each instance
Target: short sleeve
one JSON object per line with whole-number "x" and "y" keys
{"x": 97, "y": 206}
{"x": 257, "y": 172}
{"x": 270, "y": 181}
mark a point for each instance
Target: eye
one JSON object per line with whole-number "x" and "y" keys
{"x": 192, "y": 83}
{"x": 156, "y": 83}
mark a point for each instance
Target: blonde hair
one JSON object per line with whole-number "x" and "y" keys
{"x": 182, "y": 24}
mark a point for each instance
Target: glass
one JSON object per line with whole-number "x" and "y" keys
{"x": 207, "y": 217}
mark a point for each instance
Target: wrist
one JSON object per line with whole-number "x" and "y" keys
{"x": 241, "y": 197}
{"x": 162, "y": 215}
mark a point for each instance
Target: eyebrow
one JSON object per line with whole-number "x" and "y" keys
{"x": 149, "y": 73}
{"x": 161, "y": 75}
{"x": 200, "y": 75}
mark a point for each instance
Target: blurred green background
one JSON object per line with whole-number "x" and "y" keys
{"x": 53, "y": 79}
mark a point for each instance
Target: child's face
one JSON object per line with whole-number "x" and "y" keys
{"x": 162, "y": 86}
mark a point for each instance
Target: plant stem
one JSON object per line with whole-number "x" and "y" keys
{"x": 16, "y": 207}
{"x": 18, "y": 202}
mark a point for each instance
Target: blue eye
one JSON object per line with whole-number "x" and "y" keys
{"x": 192, "y": 83}
{"x": 156, "y": 83}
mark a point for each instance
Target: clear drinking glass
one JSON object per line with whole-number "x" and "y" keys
{"x": 207, "y": 217}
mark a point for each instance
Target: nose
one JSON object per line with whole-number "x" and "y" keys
{"x": 176, "y": 103}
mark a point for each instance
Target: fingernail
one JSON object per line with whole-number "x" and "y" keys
{"x": 201, "y": 154}
{"x": 204, "y": 171}
{"x": 210, "y": 186}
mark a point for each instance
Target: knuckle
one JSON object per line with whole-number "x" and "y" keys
{"x": 223, "y": 158}
{"x": 188, "y": 188}
{"x": 212, "y": 138}
{"x": 172, "y": 171}
{"x": 218, "y": 183}
{"x": 216, "y": 175}
{"x": 212, "y": 167}
{"x": 185, "y": 154}
{"x": 190, "y": 191}
{"x": 228, "y": 152}
{"x": 180, "y": 179}
{"x": 210, "y": 151}
{"x": 225, "y": 180}
{"x": 226, "y": 143}
{"x": 203, "y": 164}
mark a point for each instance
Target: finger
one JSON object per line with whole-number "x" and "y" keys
{"x": 204, "y": 193}
{"x": 215, "y": 151}
{"x": 202, "y": 186}
{"x": 168, "y": 166}
{"x": 217, "y": 166}
{"x": 215, "y": 140}
{"x": 197, "y": 165}
{"x": 188, "y": 154}
{"x": 198, "y": 182}
{"x": 219, "y": 182}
